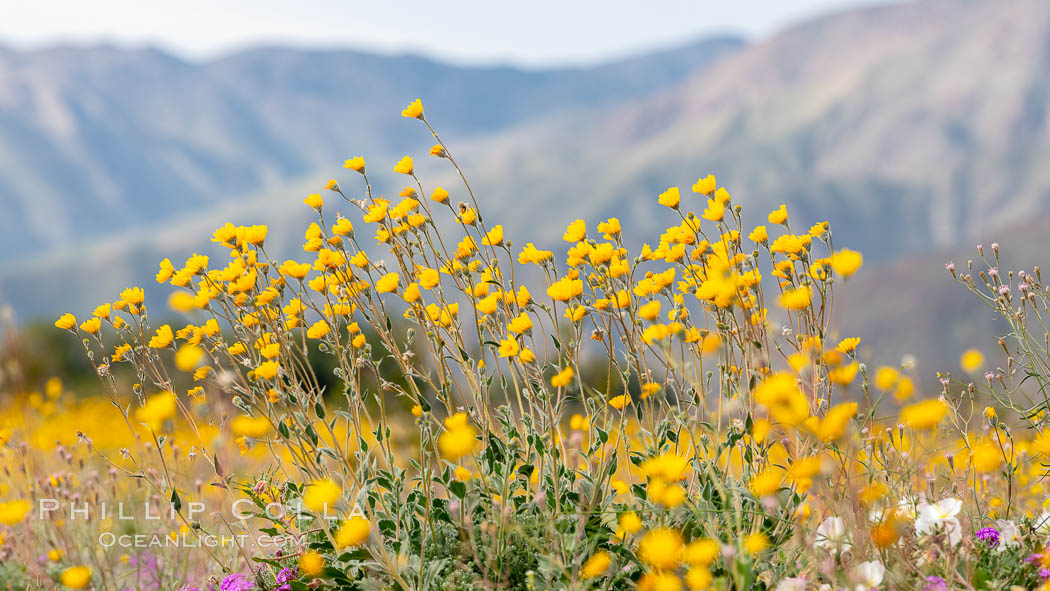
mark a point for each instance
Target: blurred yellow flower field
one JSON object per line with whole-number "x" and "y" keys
{"x": 492, "y": 415}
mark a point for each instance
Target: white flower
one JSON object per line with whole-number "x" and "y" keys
{"x": 792, "y": 584}
{"x": 868, "y": 575}
{"x": 940, "y": 515}
{"x": 831, "y": 534}
{"x": 942, "y": 510}
{"x": 1009, "y": 535}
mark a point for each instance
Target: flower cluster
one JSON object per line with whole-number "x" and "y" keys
{"x": 683, "y": 414}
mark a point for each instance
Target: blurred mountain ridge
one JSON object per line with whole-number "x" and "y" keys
{"x": 97, "y": 140}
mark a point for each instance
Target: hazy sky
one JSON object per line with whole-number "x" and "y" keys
{"x": 525, "y": 32}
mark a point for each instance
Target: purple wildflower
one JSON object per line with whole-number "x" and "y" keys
{"x": 990, "y": 535}
{"x": 1044, "y": 574}
{"x": 236, "y": 582}
{"x": 935, "y": 583}
{"x": 286, "y": 575}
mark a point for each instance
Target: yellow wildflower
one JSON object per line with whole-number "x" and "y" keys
{"x": 494, "y": 237}
{"x": 780, "y": 395}
{"x": 576, "y": 231}
{"x": 353, "y": 532}
{"x": 520, "y": 324}
{"x": 766, "y": 483}
{"x": 311, "y": 564}
{"x": 158, "y": 408}
{"x": 414, "y": 110}
{"x": 12, "y": 512}
{"x": 596, "y": 565}
{"x": 845, "y": 262}
{"x": 66, "y": 321}
{"x": 509, "y": 347}
{"x": 318, "y": 330}
{"x": 162, "y": 337}
{"x": 610, "y": 229}
{"x": 661, "y": 548}
{"x": 249, "y": 426}
{"x": 847, "y": 346}
{"x": 670, "y": 198}
{"x": 321, "y": 494}
{"x": 834, "y": 423}
{"x": 91, "y": 325}
{"x": 388, "y": 283}
{"x": 562, "y": 378}
{"x": 701, "y": 552}
{"x": 971, "y": 360}
{"x": 459, "y": 438}
{"x": 188, "y": 356}
{"x": 267, "y": 370}
{"x": 925, "y": 414}
{"x": 404, "y": 166}
{"x": 755, "y": 543}
{"x": 76, "y": 577}
{"x": 705, "y": 185}
{"x": 796, "y": 299}
{"x": 356, "y": 164}
{"x": 759, "y": 235}
{"x": 565, "y": 289}
{"x": 649, "y": 311}
{"x": 778, "y": 215}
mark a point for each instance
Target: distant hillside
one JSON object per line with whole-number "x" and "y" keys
{"x": 911, "y": 126}
{"x": 96, "y": 141}
{"x": 913, "y": 306}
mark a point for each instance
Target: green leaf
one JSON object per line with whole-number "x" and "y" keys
{"x": 458, "y": 488}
